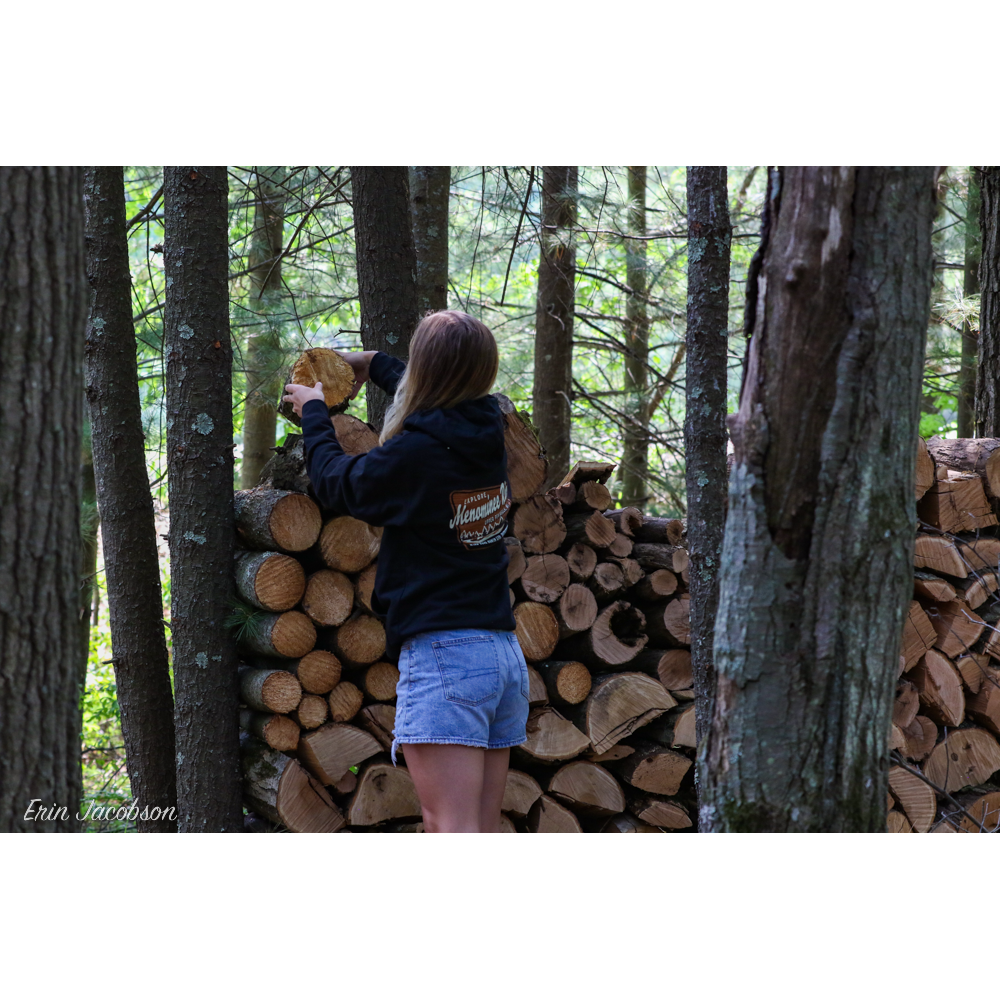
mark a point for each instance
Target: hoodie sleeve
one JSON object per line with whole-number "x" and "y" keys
{"x": 370, "y": 487}
{"x": 386, "y": 371}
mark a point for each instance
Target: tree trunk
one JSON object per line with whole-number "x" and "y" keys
{"x": 89, "y": 523}
{"x": 553, "y": 379}
{"x": 988, "y": 371}
{"x": 43, "y": 311}
{"x": 635, "y": 452}
{"x": 970, "y": 336}
{"x": 387, "y": 267}
{"x": 429, "y": 190}
{"x": 820, "y": 528}
{"x": 132, "y": 572}
{"x": 709, "y": 236}
{"x": 264, "y": 367}
{"x": 200, "y": 463}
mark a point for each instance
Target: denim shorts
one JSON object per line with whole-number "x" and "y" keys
{"x": 466, "y": 686}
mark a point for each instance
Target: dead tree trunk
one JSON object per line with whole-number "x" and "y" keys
{"x": 429, "y": 189}
{"x": 970, "y": 286}
{"x": 988, "y": 371}
{"x": 709, "y": 237}
{"x": 821, "y": 511}
{"x": 132, "y": 573}
{"x": 200, "y": 464}
{"x": 43, "y": 311}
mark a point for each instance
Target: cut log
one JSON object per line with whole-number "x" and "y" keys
{"x": 590, "y": 495}
{"x": 985, "y": 813}
{"x": 654, "y": 555}
{"x": 380, "y": 721}
{"x": 506, "y": 825}
{"x": 918, "y": 635}
{"x": 345, "y": 701}
{"x": 582, "y": 560}
{"x": 957, "y": 627}
{"x": 353, "y": 435}
{"x": 626, "y": 519}
{"x": 584, "y": 472}
{"x": 626, "y": 823}
{"x": 538, "y": 694}
{"x": 915, "y": 796}
{"x": 329, "y": 597}
{"x": 549, "y": 816}
{"x": 384, "y": 793}
{"x": 516, "y": 562}
{"x": 932, "y": 587}
{"x": 660, "y": 529}
{"x": 618, "y": 752}
{"x": 591, "y": 529}
{"x": 358, "y": 642}
{"x": 920, "y": 736}
{"x": 615, "y": 638}
{"x": 587, "y": 788}
{"x": 617, "y": 706}
{"x": 520, "y": 793}
{"x": 269, "y": 580}
{"x": 348, "y": 544}
{"x": 576, "y": 610}
{"x": 657, "y": 812}
{"x": 332, "y": 750}
{"x": 312, "y": 711}
{"x": 527, "y": 467}
{"x": 684, "y": 729}
{"x": 538, "y": 523}
{"x": 552, "y": 737}
{"x": 654, "y": 586}
{"x": 906, "y": 706}
{"x": 278, "y": 731}
{"x": 276, "y": 519}
{"x": 939, "y": 686}
{"x": 364, "y": 587}
{"x": 669, "y": 624}
{"x": 607, "y": 581}
{"x": 924, "y": 469}
{"x": 980, "y": 555}
{"x": 565, "y": 493}
{"x": 964, "y": 757}
{"x": 631, "y": 570}
{"x": 318, "y": 671}
{"x": 346, "y": 784}
{"x": 537, "y": 630}
{"x": 978, "y": 588}
{"x": 279, "y": 789}
{"x": 897, "y": 741}
{"x": 939, "y": 555}
{"x": 978, "y": 455}
{"x": 269, "y": 690}
{"x": 652, "y": 768}
{"x": 289, "y": 635}
{"x": 620, "y": 548}
{"x": 321, "y": 364}
{"x": 568, "y": 681}
{"x": 545, "y": 578}
{"x": 956, "y": 503}
{"x": 380, "y": 681}
{"x": 896, "y": 822}
{"x": 974, "y": 668}
{"x": 984, "y": 707}
{"x": 681, "y": 560}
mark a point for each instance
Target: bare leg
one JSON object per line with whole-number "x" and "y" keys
{"x": 494, "y": 781}
{"x": 449, "y": 780}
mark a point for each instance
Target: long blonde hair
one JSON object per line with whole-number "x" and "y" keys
{"x": 453, "y": 357}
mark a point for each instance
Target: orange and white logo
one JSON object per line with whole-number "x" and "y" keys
{"x": 480, "y": 516}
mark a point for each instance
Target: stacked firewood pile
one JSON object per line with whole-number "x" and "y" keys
{"x": 946, "y": 719}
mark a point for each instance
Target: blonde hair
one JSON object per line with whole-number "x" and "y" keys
{"x": 453, "y": 357}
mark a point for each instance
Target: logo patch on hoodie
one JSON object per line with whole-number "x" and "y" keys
{"x": 480, "y": 516}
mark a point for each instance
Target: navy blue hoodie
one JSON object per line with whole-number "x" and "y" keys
{"x": 440, "y": 489}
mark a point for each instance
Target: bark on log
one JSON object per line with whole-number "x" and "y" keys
{"x": 552, "y": 737}
{"x": 581, "y": 559}
{"x": 545, "y": 578}
{"x": 289, "y": 635}
{"x": 332, "y": 750}
{"x": 576, "y": 610}
{"x": 538, "y": 523}
{"x": 520, "y": 793}
{"x": 654, "y": 586}
{"x": 932, "y": 587}
{"x": 269, "y": 581}
{"x": 345, "y": 701}
{"x": 652, "y": 768}
{"x": 353, "y": 435}
{"x": 978, "y": 455}
{"x": 380, "y": 681}
{"x": 616, "y": 637}
{"x": 278, "y": 731}
{"x": 964, "y": 757}
{"x": 537, "y": 630}
{"x": 977, "y": 589}
{"x": 587, "y": 789}
{"x": 626, "y": 520}
{"x": 328, "y": 598}
{"x": 654, "y": 555}
{"x": 276, "y": 519}
{"x": 591, "y": 529}
{"x": 617, "y": 706}
{"x": 348, "y": 544}
{"x": 568, "y": 681}
{"x": 548, "y": 816}
{"x": 384, "y": 793}
{"x": 312, "y": 711}
{"x": 266, "y": 690}
{"x": 660, "y": 529}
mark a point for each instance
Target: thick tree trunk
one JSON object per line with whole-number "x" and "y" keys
{"x": 387, "y": 267}
{"x": 429, "y": 189}
{"x": 264, "y": 368}
{"x": 43, "y": 311}
{"x": 553, "y": 379}
{"x": 816, "y": 563}
{"x": 132, "y": 573}
{"x": 89, "y": 524}
{"x": 988, "y": 371}
{"x": 200, "y": 463}
{"x": 970, "y": 287}
{"x": 709, "y": 237}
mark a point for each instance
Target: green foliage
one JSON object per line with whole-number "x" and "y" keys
{"x": 245, "y": 622}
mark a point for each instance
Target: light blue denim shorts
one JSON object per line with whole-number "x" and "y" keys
{"x": 466, "y": 686}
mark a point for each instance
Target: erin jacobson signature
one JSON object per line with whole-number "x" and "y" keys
{"x": 39, "y": 813}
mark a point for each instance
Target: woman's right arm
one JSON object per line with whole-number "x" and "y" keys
{"x": 383, "y": 369}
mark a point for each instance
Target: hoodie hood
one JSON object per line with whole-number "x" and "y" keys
{"x": 473, "y": 429}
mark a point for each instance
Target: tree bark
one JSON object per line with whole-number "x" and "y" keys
{"x": 43, "y": 311}
{"x": 200, "y": 464}
{"x": 821, "y": 509}
{"x": 553, "y": 378}
{"x": 132, "y": 573}
{"x": 988, "y": 371}
{"x": 429, "y": 190}
{"x": 970, "y": 287}
{"x": 635, "y": 452}
{"x": 264, "y": 363}
{"x": 709, "y": 238}
{"x": 387, "y": 267}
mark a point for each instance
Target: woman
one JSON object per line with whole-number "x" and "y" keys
{"x": 438, "y": 485}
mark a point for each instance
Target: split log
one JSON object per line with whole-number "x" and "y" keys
{"x": 545, "y": 578}
{"x": 380, "y": 681}
{"x": 626, "y": 823}
{"x": 920, "y": 736}
{"x": 985, "y": 813}
{"x": 380, "y": 721}
{"x": 576, "y": 610}
{"x": 625, "y": 519}
{"x": 938, "y": 554}
{"x": 654, "y": 555}
{"x": 932, "y": 587}
{"x": 681, "y": 561}
{"x": 590, "y": 495}
{"x": 963, "y": 757}
{"x": 587, "y": 788}
{"x": 318, "y": 671}
{"x": 276, "y": 519}
{"x": 918, "y": 635}
{"x": 348, "y": 544}
{"x": 939, "y": 686}
{"x": 329, "y": 597}
{"x": 591, "y": 529}
{"x": 915, "y": 796}
{"x": 364, "y": 587}
{"x": 527, "y": 467}
{"x": 384, "y": 793}
{"x": 332, "y": 750}
{"x": 956, "y": 502}
{"x": 568, "y": 681}
{"x": 977, "y": 455}
{"x": 980, "y": 555}
{"x": 538, "y": 694}
{"x": 584, "y": 472}
{"x": 607, "y": 581}
{"x": 582, "y": 560}
{"x": 506, "y": 825}
{"x": 346, "y": 784}
{"x": 269, "y": 690}
{"x": 520, "y": 793}
{"x": 984, "y": 707}
{"x": 269, "y": 580}
{"x": 974, "y": 668}
{"x": 279, "y": 789}
{"x": 289, "y": 635}
{"x": 537, "y": 630}
{"x": 565, "y": 493}
{"x": 658, "y": 812}
{"x": 978, "y": 588}
{"x": 616, "y": 637}
{"x": 538, "y": 523}
{"x": 957, "y": 627}
{"x": 620, "y": 548}
{"x": 652, "y": 768}
{"x": 924, "y": 469}
{"x": 897, "y": 741}
{"x": 320, "y": 364}
{"x": 548, "y": 816}
{"x": 617, "y": 706}
{"x": 353, "y": 435}
{"x": 684, "y": 729}
{"x": 345, "y": 701}
{"x": 669, "y": 624}
{"x": 358, "y": 642}
{"x": 516, "y": 561}
{"x": 552, "y": 737}
{"x": 312, "y": 711}
{"x": 896, "y": 822}
{"x": 654, "y": 586}
{"x": 279, "y": 732}
{"x": 660, "y": 529}
{"x": 906, "y": 706}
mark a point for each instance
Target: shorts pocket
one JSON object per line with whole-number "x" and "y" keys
{"x": 470, "y": 669}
